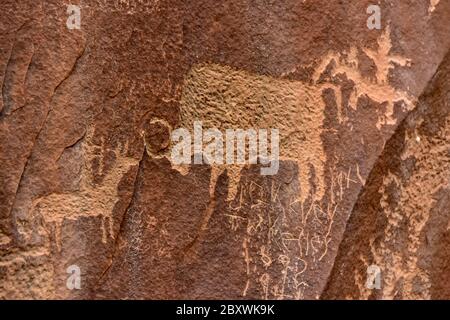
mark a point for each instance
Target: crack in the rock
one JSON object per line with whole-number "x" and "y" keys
{"x": 190, "y": 249}
{"x": 122, "y": 223}
{"x": 74, "y": 66}
{"x": 72, "y": 145}
{"x": 4, "y": 109}
{"x": 23, "y": 87}
{"x": 30, "y": 154}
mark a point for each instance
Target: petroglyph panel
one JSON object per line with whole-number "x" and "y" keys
{"x": 86, "y": 177}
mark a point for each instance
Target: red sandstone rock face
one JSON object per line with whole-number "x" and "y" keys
{"x": 87, "y": 179}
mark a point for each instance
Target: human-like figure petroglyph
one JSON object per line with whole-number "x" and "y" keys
{"x": 378, "y": 89}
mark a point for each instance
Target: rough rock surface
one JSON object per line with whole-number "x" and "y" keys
{"x": 86, "y": 178}
{"x": 401, "y": 221}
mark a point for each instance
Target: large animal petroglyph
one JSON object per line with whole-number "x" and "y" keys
{"x": 224, "y": 98}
